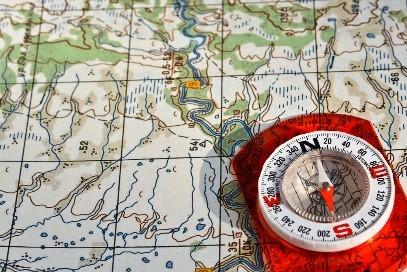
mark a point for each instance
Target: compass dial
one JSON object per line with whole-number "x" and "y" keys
{"x": 326, "y": 191}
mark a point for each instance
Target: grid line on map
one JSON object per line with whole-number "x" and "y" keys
{"x": 122, "y": 139}
{"x": 316, "y": 62}
{"x": 221, "y": 136}
{"x": 117, "y": 160}
{"x": 160, "y": 246}
{"x": 211, "y": 76}
{"x": 37, "y": 45}
{"x": 11, "y": 9}
{"x": 145, "y": 158}
{"x": 117, "y": 247}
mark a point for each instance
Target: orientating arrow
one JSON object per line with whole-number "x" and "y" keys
{"x": 270, "y": 201}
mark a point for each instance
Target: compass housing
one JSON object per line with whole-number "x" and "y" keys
{"x": 307, "y": 229}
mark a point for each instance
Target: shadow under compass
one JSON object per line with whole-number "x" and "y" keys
{"x": 228, "y": 211}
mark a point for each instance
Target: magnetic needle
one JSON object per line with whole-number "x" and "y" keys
{"x": 326, "y": 191}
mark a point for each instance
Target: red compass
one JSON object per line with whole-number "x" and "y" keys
{"x": 323, "y": 196}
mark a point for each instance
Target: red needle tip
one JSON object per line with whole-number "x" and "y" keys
{"x": 328, "y": 196}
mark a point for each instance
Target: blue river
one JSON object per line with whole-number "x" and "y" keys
{"x": 205, "y": 106}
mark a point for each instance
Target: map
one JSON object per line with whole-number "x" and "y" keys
{"x": 119, "y": 120}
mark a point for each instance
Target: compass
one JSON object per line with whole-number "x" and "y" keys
{"x": 322, "y": 196}
{"x": 326, "y": 191}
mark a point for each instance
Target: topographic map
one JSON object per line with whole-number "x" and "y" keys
{"x": 119, "y": 119}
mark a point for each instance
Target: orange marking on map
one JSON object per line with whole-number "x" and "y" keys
{"x": 203, "y": 270}
{"x": 193, "y": 84}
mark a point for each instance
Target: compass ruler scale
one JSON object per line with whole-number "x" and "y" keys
{"x": 323, "y": 196}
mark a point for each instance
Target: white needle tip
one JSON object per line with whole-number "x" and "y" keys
{"x": 323, "y": 179}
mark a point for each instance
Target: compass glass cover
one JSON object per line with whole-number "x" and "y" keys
{"x": 300, "y": 185}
